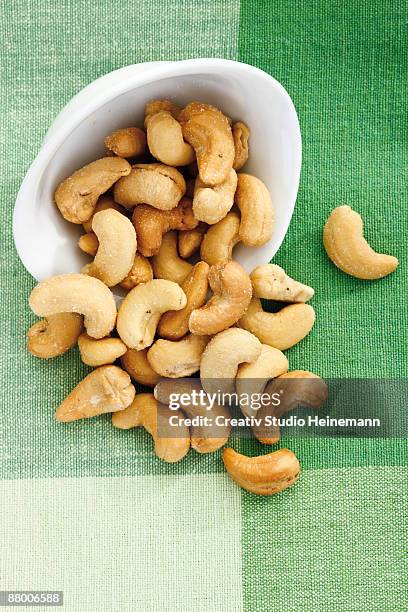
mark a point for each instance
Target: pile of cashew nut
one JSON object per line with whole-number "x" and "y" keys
{"x": 162, "y": 213}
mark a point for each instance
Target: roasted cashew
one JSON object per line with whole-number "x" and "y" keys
{"x": 165, "y": 140}
{"x": 54, "y": 335}
{"x": 140, "y": 272}
{"x": 271, "y": 282}
{"x": 100, "y": 352}
{"x": 174, "y": 324}
{"x": 240, "y": 134}
{"x": 136, "y": 365}
{"x": 76, "y": 293}
{"x": 297, "y": 388}
{"x": 211, "y": 204}
{"x": 127, "y": 142}
{"x": 76, "y": 197}
{"x": 208, "y": 436}
{"x": 156, "y": 106}
{"x": 151, "y": 223}
{"x": 252, "y": 378}
{"x": 220, "y": 239}
{"x": 283, "y": 329}
{"x": 142, "y": 308}
{"x": 232, "y": 290}
{"x": 346, "y": 246}
{"x": 222, "y": 356}
{"x": 106, "y": 389}
{"x": 264, "y": 475}
{"x": 89, "y": 244}
{"x": 155, "y": 184}
{"x": 257, "y": 214}
{"x": 105, "y": 202}
{"x": 171, "y": 442}
{"x": 167, "y": 263}
{"x": 209, "y": 133}
{"x": 176, "y": 359}
{"x": 189, "y": 241}
{"x": 117, "y": 247}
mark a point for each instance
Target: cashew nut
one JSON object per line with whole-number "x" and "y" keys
{"x": 257, "y": 214}
{"x": 151, "y": 223}
{"x": 232, "y": 290}
{"x": 167, "y": 263}
{"x": 156, "y": 106}
{"x": 100, "y": 352}
{"x": 105, "y": 202}
{"x": 165, "y": 140}
{"x": 127, "y": 142}
{"x": 76, "y": 197}
{"x": 171, "y": 442}
{"x": 89, "y": 244}
{"x": 240, "y": 134}
{"x": 174, "y": 324}
{"x": 211, "y": 204}
{"x": 176, "y": 359}
{"x": 271, "y": 282}
{"x": 220, "y": 239}
{"x": 155, "y": 184}
{"x": 346, "y": 246}
{"x": 264, "y": 475}
{"x": 117, "y": 247}
{"x": 252, "y": 377}
{"x": 106, "y": 389}
{"x": 222, "y": 356}
{"x": 298, "y": 388}
{"x": 209, "y": 435}
{"x": 189, "y": 241}
{"x": 141, "y": 309}
{"x": 54, "y": 335}
{"x": 76, "y": 293}
{"x": 136, "y": 365}
{"x": 208, "y": 131}
{"x": 140, "y": 272}
{"x": 283, "y": 329}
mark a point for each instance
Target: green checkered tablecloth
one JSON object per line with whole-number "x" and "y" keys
{"x": 88, "y": 509}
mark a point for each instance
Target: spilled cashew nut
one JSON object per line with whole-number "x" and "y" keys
{"x": 167, "y": 264}
{"x": 211, "y": 204}
{"x": 106, "y": 389}
{"x": 165, "y": 140}
{"x": 89, "y": 244}
{"x": 127, "y": 142}
{"x": 142, "y": 308}
{"x": 257, "y": 214}
{"x": 264, "y": 475}
{"x": 100, "y": 352}
{"x": 136, "y": 365}
{"x": 179, "y": 358}
{"x": 240, "y": 134}
{"x": 155, "y": 184}
{"x": 54, "y": 335}
{"x": 283, "y": 329}
{"x": 105, "y": 202}
{"x": 346, "y": 246}
{"x": 189, "y": 241}
{"x": 271, "y": 282}
{"x": 76, "y": 197}
{"x": 220, "y": 239}
{"x": 140, "y": 272}
{"x": 76, "y": 293}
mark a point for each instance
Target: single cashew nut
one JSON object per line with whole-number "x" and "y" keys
{"x": 232, "y": 290}
{"x": 189, "y": 241}
{"x": 54, "y": 335}
{"x": 141, "y": 309}
{"x": 167, "y": 264}
{"x": 150, "y": 224}
{"x": 76, "y": 293}
{"x": 140, "y": 272}
{"x": 211, "y": 204}
{"x": 174, "y": 324}
{"x": 106, "y": 389}
{"x": 346, "y": 246}
{"x": 100, "y": 352}
{"x": 220, "y": 239}
{"x": 171, "y": 442}
{"x": 240, "y": 134}
{"x": 283, "y": 329}
{"x": 214, "y": 425}
{"x": 156, "y": 106}
{"x": 208, "y": 131}
{"x": 155, "y": 184}
{"x": 89, "y": 244}
{"x": 127, "y": 142}
{"x": 264, "y": 475}
{"x": 257, "y": 214}
{"x": 298, "y": 388}
{"x": 252, "y": 378}
{"x": 117, "y": 247}
{"x": 136, "y": 365}
{"x": 222, "y": 356}
{"x": 179, "y": 358}
{"x": 105, "y": 202}
{"x": 76, "y": 197}
{"x": 271, "y": 282}
{"x": 165, "y": 140}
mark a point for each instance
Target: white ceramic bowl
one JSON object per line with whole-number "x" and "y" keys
{"x": 47, "y": 244}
